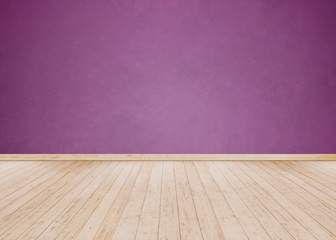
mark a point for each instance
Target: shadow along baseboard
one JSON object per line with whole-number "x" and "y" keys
{"x": 167, "y": 157}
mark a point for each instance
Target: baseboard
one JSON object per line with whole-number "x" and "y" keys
{"x": 167, "y": 157}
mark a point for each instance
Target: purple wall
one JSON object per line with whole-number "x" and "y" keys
{"x": 168, "y": 76}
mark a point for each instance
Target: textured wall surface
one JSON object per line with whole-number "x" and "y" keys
{"x": 168, "y": 76}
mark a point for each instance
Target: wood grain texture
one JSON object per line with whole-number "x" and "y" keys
{"x": 172, "y": 200}
{"x": 168, "y": 157}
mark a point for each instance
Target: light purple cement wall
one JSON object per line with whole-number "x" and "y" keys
{"x": 168, "y": 76}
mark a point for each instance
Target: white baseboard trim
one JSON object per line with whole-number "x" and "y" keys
{"x": 167, "y": 157}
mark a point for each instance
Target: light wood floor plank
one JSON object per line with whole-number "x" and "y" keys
{"x": 24, "y": 177}
{"x": 210, "y": 227}
{"x": 264, "y": 216}
{"x": 246, "y": 218}
{"x": 314, "y": 174}
{"x": 297, "y": 195}
{"x": 330, "y": 165}
{"x": 18, "y": 208}
{"x": 312, "y": 186}
{"x": 17, "y": 174}
{"x": 169, "y": 222}
{"x": 168, "y": 200}
{"x": 93, "y": 223}
{"x": 278, "y": 211}
{"x": 6, "y": 165}
{"x": 297, "y": 222}
{"x": 189, "y": 224}
{"x": 77, "y": 185}
{"x": 10, "y": 171}
{"x": 322, "y": 169}
{"x": 324, "y": 198}
{"x": 37, "y": 213}
{"x": 13, "y": 192}
{"x": 63, "y": 219}
{"x": 79, "y": 220}
{"x": 313, "y": 168}
{"x": 110, "y": 222}
{"x": 129, "y": 221}
{"x": 149, "y": 220}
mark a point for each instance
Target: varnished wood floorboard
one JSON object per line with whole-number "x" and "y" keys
{"x": 121, "y": 200}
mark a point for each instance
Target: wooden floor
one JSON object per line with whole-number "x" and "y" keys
{"x": 167, "y": 200}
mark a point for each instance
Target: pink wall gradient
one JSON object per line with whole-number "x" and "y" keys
{"x": 168, "y": 76}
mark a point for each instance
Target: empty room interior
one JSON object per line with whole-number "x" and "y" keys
{"x": 169, "y": 120}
